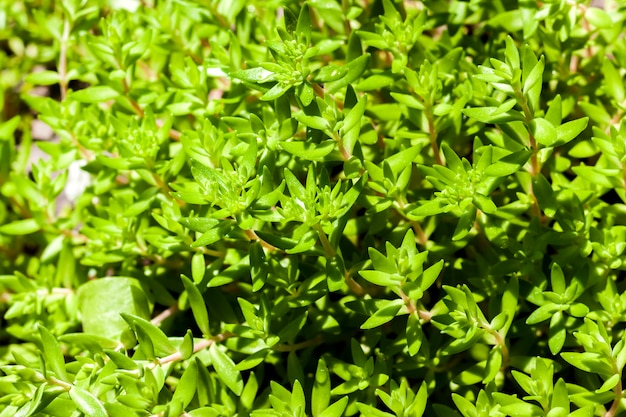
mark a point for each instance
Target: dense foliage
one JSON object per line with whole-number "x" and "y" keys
{"x": 322, "y": 208}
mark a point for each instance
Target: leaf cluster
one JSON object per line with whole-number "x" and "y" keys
{"x": 312, "y": 208}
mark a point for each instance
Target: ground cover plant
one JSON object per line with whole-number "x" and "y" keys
{"x": 324, "y": 208}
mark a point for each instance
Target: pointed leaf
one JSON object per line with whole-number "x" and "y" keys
{"x": 570, "y": 130}
{"x": 320, "y": 397}
{"x": 187, "y": 385}
{"x": 198, "y": 306}
{"x": 95, "y": 94}
{"x": 336, "y": 409}
{"x": 226, "y": 370}
{"x": 87, "y": 402}
{"x": 52, "y": 353}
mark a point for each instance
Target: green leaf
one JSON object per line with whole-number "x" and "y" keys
{"x": 146, "y": 345}
{"x": 383, "y": 279}
{"x": 253, "y": 360}
{"x": 52, "y": 353}
{"x": 452, "y": 159}
{"x": 330, "y": 73}
{"x": 430, "y": 275}
{"x": 249, "y": 393}
{"x": 510, "y": 299}
{"x": 596, "y": 112}
{"x": 418, "y": 406}
{"x": 560, "y": 396}
{"x": 278, "y": 90}
{"x": 609, "y": 384}
{"x": 508, "y": 165}
{"x": 163, "y": 346}
{"x": 309, "y": 151}
{"x": 494, "y": 364}
{"x": 20, "y": 227}
{"x": 484, "y": 204}
{"x": 414, "y": 333}
{"x": 534, "y": 78}
{"x": 383, "y": 314}
{"x": 355, "y": 68}
{"x": 96, "y": 94}
{"x": 511, "y": 54}
{"x": 297, "y": 397}
{"x": 558, "y": 332}
{"x": 598, "y": 18}
{"x": 102, "y": 301}
{"x": 7, "y": 129}
{"x": 226, "y": 370}
{"x": 320, "y": 397}
{"x": 354, "y": 116}
{"x": 570, "y": 130}
{"x": 368, "y": 410}
{"x": 198, "y": 267}
{"x": 554, "y": 114}
{"x": 613, "y": 82}
{"x": 259, "y": 268}
{"x": 544, "y": 132}
{"x": 198, "y": 306}
{"x": 213, "y": 235}
{"x": 493, "y": 115}
{"x": 87, "y": 402}
{"x": 431, "y": 208}
{"x": 589, "y": 362}
{"x": 557, "y": 279}
{"x": 336, "y": 409}
{"x": 121, "y": 360}
{"x": 291, "y": 330}
{"x": 542, "y": 313}
{"x": 400, "y": 160}
{"x": 187, "y": 385}
{"x": 186, "y": 346}
{"x": 545, "y": 195}
{"x": 45, "y": 77}
{"x": 254, "y": 75}
{"x": 465, "y": 406}
{"x": 408, "y": 100}
{"x": 306, "y": 93}
{"x": 314, "y": 122}
{"x": 465, "y": 224}
{"x": 304, "y": 27}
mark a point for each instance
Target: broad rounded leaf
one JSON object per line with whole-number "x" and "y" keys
{"x": 102, "y": 301}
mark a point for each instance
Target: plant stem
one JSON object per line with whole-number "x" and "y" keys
{"x": 330, "y": 253}
{"x": 158, "y": 319}
{"x": 619, "y": 394}
{"x": 253, "y": 236}
{"x": 173, "y": 134}
{"x": 317, "y": 340}
{"x": 328, "y": 248}
{"x": 535, "y": 167}
{"x": 201, "y": 345}
{"x": 422, "y": 239}
{"x": 432, "y": 133}
{"x": 133, "y": 103}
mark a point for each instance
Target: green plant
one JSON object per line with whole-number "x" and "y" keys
{"x": 319, "y": 208}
